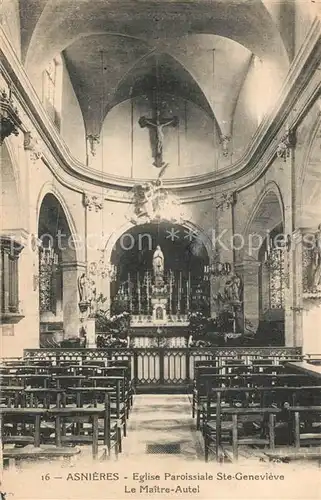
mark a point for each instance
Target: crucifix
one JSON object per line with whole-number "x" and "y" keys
{"x": 156, "y": 126}
{"x": 157, "y": 123}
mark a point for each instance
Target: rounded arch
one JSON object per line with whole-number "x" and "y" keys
{"x": 11, "y": 195}
{"x": 309, "y": 185}
{"x": 126, "y": 227}
{"x": 48, "y": 189}
{"x": 267, "y": 213}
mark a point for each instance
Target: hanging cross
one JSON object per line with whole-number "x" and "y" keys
{"x": 156, "y": 126}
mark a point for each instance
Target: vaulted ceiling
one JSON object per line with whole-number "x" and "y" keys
{"x": 201, "y": 49}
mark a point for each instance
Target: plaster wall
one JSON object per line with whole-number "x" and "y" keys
{"x": 72, "y": 128}
{"x": 190, "y": 149}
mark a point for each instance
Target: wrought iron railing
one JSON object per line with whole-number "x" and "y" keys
{"x": 165, "y": 366}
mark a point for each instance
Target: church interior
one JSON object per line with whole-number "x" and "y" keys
{"x": 160, "y": 231}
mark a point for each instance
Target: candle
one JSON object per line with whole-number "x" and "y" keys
{"x": 179, "y": 293}
{"x": 129, "y": 294}
{"x": 171, "y": 292}
{"x": 147, "y": 291}
{"x": 187, "y": 294}
{"x": 138, "y": 294}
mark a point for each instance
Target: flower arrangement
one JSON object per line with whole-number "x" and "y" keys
{"x": 200, "y": 325}
{"x": 104, "y": 341}
{"x": 112, "y": 331}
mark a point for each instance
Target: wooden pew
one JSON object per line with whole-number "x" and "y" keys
{"x": 99, "y": 396}
{"x": 214, "y": 428}
{"x": 89, "y": 415}
{"x": 118, "y": 401}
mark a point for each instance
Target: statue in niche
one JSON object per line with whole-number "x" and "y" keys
{"x": 159, "y": 313}
{"x": 316, "y": 260}
{"x": 158, "y": 263}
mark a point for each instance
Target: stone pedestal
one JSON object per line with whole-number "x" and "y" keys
{"x": 90, "y": 333}
{"x": 249, "y": 271}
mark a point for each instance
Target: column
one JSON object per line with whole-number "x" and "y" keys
{"x": 5, "y": 279}
{"x": 286, "y": 153}
{"x": 71, "y": 314}
{"x": 307, "y": 308}
{"x": 222, "y": 242}
{"x": 249, "y": 272}
{"x": 224, "y": 226}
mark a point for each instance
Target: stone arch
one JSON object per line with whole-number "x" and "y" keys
{"x": 267, "y": 212}
{"x": 58, "y": 278}
{"x": 113, "y": 238}
{"x": 10, "y": 189}
{"x": 49, "y": 189}
{"x": 309, "y": 177}
{"x": 186, "y": 258}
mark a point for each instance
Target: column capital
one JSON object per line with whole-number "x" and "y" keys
{"x": 226, "y": 200}
{"x": 93, "y": 202}
{"x": 32, "y": 145}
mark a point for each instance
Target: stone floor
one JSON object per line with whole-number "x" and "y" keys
{"x": 161, "y": 426}
{"x": 162, "y": 458}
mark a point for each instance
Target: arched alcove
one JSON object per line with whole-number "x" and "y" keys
{"x": 264, "y": 267}
{"x": 10, "y": 203}
{"x": 57, "y": 268}
{"x": 309, "y": 185}
{"x": 185, "y": 263}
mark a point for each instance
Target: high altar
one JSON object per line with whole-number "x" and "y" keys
{"x": 159, "y": 301}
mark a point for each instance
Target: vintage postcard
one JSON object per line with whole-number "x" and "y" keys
{"x": 160, "y": 239}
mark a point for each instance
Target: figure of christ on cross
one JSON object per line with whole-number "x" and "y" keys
{"x": 157, "y": 126}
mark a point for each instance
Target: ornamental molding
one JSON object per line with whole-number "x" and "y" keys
{"x": 300, "y": 90}
{"x": 225, "y": 145}
{"x": 286, "y": 144}
{"x": 10, "y": 121}
{"x": 93, "y": 141}
{"x": 93, "y": 202}
{"x": 227, "y": 200}
{"x": 32, "y": 145}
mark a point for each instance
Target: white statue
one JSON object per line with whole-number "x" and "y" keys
{"x": 158, "y": 263}
{"x": 83, "y": 288}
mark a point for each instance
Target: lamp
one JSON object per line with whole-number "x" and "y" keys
{"x": 102, "y": 269}
{"x": 48, "y": 256}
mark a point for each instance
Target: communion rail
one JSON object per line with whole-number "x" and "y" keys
{"x": 158, "y": 367}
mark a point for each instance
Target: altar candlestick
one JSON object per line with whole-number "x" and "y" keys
{"x": 189, "y": 287}
{"x": 187, "y": 296}
{"x": 147, "y": 291}
{"x": 179, "y": 294}
{"x": 138, "y": 294}
{"x": 129, "y": 294}
{"x": 171, "y": 292}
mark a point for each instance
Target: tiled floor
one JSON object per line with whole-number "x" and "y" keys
{"x": 163, "y": 424}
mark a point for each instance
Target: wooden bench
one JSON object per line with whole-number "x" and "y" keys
{"x": 213, "y": 429}
{"x": 221, "y": 399}
{"x": 91, "y": 416}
